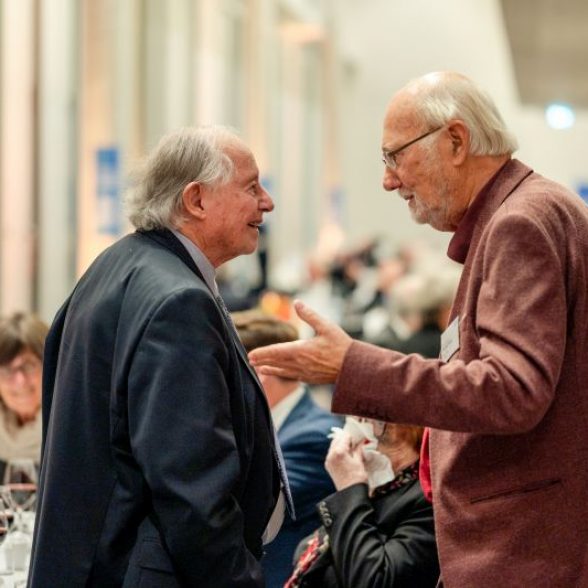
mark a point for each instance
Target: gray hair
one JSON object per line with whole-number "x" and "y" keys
{"x": 426, "y": 289}
{"x": 439, "y": 97}
{"x": 20, "y": 331}
{"x": 190, "y": 154}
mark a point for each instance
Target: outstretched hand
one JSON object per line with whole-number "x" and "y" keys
{"x": 315, "y": 361}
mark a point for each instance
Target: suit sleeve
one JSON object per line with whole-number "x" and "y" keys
{"x": 398, "y": 551}
{"x": 182, "y": 437}
{"x": 50, "y": 360}
{"x": 304, "y": 456}
{"x": 519, "y": 327}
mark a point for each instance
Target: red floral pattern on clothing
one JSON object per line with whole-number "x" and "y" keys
{"x": 319, "y": 542}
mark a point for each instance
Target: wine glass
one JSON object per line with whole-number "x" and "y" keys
{"x": 20, "y": 479}
{"x": 5, "y": 519}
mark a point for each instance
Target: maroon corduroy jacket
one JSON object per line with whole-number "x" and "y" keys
{"x": 509, "y": 410}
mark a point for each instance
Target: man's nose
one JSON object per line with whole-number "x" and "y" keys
{"x": 390, "y": 181}
{"x": 266, "y": 202}
{"x": 18, "y": 378}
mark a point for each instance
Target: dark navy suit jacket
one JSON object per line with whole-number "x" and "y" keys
{"x": 158, "y": 461}
{"x": 304, "y": 442}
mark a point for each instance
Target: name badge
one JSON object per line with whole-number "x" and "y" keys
{"x": 450, "y": 340}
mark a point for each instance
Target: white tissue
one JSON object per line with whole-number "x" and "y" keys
{"x": 378, "y": 466}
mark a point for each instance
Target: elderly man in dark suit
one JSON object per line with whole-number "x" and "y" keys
{"x": 507, "y": 401}
{"x": 159, "y": 465}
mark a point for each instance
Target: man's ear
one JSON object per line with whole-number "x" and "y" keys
{"x": 460, "y": 141}
{"x": 192, "y": 197}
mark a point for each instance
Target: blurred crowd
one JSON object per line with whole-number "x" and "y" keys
{"x": 398, "y": 300}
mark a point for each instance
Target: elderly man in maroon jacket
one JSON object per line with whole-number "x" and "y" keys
{"x": 507, "y": 401}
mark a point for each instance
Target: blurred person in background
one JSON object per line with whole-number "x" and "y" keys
{"x": 302, "y": 433}
{"x": 372, "y": 537}
{"x": 507, "y": 400}
{"x": 419, "y": 308}
{"x": 160, "y": 465}
{"x": 22, "y": 340}
{"x": 355, "y": 277}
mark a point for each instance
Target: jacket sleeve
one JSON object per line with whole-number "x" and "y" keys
{"x": 50, "y": 360}
{"x": 181, "y": 433}
{"x": 393, "y": 549}
{"x": 504, "y": 378}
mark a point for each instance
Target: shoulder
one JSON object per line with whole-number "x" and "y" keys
{"x": 146, "y": 274}
{"x": 544, "y": 204}
{"x": 145, "y": 288}
{"x": 139, "y": 251}
{"x": 529, "y": 223}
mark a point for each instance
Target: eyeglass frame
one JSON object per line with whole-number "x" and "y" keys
{"x": 27, "y": 368}
{"x": 379, "y": 427}
{"x": 389, "y": 157}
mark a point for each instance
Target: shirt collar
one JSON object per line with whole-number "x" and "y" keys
{"x": 281, "y": 411}
{"x": 202, "y": 263}
{"x": 484, "y": 205}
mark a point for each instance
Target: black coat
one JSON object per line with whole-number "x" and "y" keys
{"x": 158, "y": 460}
{"x": 384, "y": 542}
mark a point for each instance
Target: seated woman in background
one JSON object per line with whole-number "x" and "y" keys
{"x": 379, "y": 537}
{"x": 22, "y": 340}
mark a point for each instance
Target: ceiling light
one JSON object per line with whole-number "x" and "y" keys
{"x": 560, "y": 116}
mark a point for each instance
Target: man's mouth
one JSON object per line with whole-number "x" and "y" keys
{"x": 255, "y": 224}
{"x": 22, "y": 394}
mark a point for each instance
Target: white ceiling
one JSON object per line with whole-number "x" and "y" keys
{"x": 549, "y": 44}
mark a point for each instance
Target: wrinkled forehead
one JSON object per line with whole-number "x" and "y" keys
{"x": 400, "y": 120}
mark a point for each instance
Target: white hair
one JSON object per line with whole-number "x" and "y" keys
{"x": 190, "y": 154}
{"x": 440, "y": 97}
{"x": 428, "y": 288}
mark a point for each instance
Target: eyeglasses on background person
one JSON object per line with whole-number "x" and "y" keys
{"x": 27, "y": 368}
{"x": 379, "y": 427}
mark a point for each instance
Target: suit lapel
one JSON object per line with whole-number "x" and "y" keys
{"x": 169, "y": 240}
{"x": 243, "y": 355}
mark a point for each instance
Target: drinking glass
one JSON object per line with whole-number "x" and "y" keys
{"x": 16, "y": 549}
{"x": 20, "y": 479}
{"x": 6, "y": 567}
{"x": 4, "y": 518}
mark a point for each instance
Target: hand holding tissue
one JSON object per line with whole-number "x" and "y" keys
{"x": 354, "y": 447}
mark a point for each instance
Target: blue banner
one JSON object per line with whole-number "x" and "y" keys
{"x": 108, "y": 191}
{"x": 583, "y": 192}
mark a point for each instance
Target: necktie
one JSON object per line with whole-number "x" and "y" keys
{"x": 276, "y": 446}
{"x": 227, "y": 315}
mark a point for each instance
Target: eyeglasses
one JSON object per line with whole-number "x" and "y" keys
{"x": 389, "y": 157}
{"x": 26, "y": 368}
{"x": 379, "y": 427}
